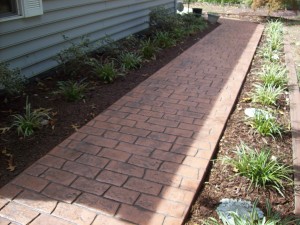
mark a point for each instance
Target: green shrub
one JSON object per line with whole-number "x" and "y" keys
{"x": 107, "y": 72}
{"x": 265, "y": 124}
{"x": 148, "y": 49}
{"x": 130, "y": 60}
{"x": 71, "y": 90}
{"x": 129, "y": 43}
{"x": 26, "y": 124}
{"x": 74, "y": 58}
{"x": 164, "y": 19}
{"x": 261, "y": 168}
{"x": 109, "y": 47}
{"x": 193, "y": 23}
{"x": 164, "y": 39}
{"x": 178, "y": 33}
{"x": 11, "y": 80}
{"x": 274, "y": 74}
{"x": 266, "y": 94}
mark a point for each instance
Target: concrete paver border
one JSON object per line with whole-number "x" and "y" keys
{"x": 294, "y": 95}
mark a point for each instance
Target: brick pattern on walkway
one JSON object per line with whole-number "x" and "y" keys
{"x": 142, "y": 160}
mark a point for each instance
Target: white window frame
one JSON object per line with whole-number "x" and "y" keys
{"x": 25, "y": 9}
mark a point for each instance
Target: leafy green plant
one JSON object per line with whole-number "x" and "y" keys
{"x": 129, "y": 44}
{"x": 265, "y": 124}
{"x": 178, "y": 33}
{"x": 262, "y": 169}
{"x": 268, "y": 54}
{"x": 71, "y": 90}
{"x": 273, "y": 74}
{"x": 26, "y": 124}
{"x": 107, "y": 72}
{"x": 266, "y": 94}
{"x": 74, "y": 58}
{"x": 274, "y": 27}
{"x": 164, "y": 19}
{"x": 109, "y": 47}
{"x": 130, "y": 60}
{"x": 164, "y": 39}
{"x": 11, "y": 79}
{"x": 148, "y": 49}
{"x": 193, "y": 23}
{"x": 270, "y": 51}
{"x": 275, "y": 41}
{"x": 271, "y": 218}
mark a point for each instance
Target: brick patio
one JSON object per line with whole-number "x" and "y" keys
{"x": 143, "y": 159}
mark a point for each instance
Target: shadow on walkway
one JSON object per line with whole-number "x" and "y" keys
{"x": 142, "y": 160}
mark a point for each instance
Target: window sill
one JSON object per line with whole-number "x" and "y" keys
{"x": 12, "y": 17}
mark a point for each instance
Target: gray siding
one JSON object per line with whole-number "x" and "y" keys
{"x": 31, "y": 43}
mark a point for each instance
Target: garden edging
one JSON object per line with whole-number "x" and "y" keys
{"x": 294, "y": 95}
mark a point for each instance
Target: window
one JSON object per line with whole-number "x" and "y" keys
{"x": 8, "y": 8}
{"x": 14, "y": 9}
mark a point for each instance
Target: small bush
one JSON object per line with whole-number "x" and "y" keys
{"x": 164, "y": 20}
{"x": 148, "y": 49}
{"x": 11, "y": 79}
{"x": 130, "y": 60}
{"x": 178, "y": 33}
{"x": 260, "y": 168}
{"x": 274, "y": 74}
{"x": 192, "y": 21}
{"x": 32, "y": 120}
{"x": 129, "y": 43}
{"x": 74, "y": 58}
{"x": 107, "y": 72}
{"x": 266, "y": 94}
{"x": 109, "y": 47}
{"x": 71, "y": 90}
{"x": 265, "y": 124}
{"x": 164, "y": 39}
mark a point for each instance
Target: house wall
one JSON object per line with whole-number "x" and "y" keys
{"x": 31, "y": 43}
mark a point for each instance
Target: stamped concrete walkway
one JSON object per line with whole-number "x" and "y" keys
{"x": 142, "y": 160}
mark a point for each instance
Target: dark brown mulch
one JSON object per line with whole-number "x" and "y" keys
{"x": 221, "y": 181}
{"x": 67, "y": 116}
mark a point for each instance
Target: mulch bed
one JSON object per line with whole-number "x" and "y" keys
{"x": 67, "y": 116}
{"x": 221, "y": 181}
